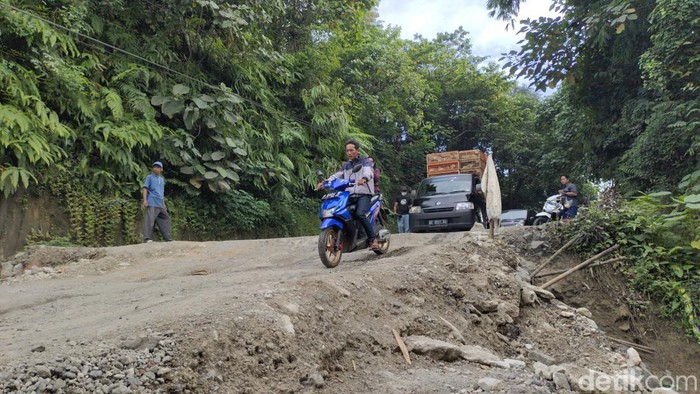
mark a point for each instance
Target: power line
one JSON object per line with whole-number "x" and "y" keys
{"x": 85, "y": 36}
{"x": 166, "y": 68}
{"x": 154, "y": 64}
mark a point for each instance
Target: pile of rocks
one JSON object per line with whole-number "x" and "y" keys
{"x": 9, "y": 269}
{"x": 41, "y": 262}
{"x": 633, "y": 377}
{"x": 142, "y": 364}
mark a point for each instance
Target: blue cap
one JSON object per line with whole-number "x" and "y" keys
{"x": 157, "y": 163}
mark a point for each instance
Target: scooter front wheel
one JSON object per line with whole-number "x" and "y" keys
{"x": 540, "y": 221}
{"x": 383, "y": 248}
{"x": 328, "y": 251}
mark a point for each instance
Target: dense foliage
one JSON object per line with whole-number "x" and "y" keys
{"x": 243, "y": 101}
{"x": 659, "y": 234}
{"x": 628, "y": 111}
{"x": 629, "y": 105}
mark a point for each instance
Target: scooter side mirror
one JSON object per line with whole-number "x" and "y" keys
{"x": 319, "y": 175}
{"x": 357, "y": 168}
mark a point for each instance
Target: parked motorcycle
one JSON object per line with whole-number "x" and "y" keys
{"x": 340, "y": 231}
{"x": 552, "y": 210}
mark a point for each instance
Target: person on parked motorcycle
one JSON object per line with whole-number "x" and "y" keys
{"x": 570, "y": 202}
{"x": 363, "y": 190}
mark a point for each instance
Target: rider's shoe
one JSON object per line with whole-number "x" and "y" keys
{"x": 374, "y": 245}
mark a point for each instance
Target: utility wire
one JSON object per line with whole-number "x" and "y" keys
{"x": 163, "y": 67}
{"x": 154, "y": 64}
{"x": 85, "y": 36}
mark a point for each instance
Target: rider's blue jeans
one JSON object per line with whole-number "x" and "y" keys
{"x": 570, "y": 213}
{"x": 363, "y": 204}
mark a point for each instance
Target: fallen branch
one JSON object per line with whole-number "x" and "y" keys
{"x": 582, "y": 265}
{"x": 591, "y": 266}
{"x": 402, "y": 346}
{"x": 558, "y": 252}
{"x": 639, "y": 347}
{"x": 454, "y": 329}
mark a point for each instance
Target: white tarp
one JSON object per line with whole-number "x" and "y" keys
{"x": 492, "y": 190}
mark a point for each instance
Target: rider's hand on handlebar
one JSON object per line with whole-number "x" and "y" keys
{"x": 319, "y": 186}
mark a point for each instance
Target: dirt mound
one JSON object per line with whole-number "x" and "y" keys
{"x": 276, "y": 321}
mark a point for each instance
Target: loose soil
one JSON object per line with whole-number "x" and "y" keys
{"x": 266, "y": 316}
{"x": 624, "y": 315}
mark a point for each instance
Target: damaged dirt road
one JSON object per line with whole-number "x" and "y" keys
{"x": 266, "y": 316}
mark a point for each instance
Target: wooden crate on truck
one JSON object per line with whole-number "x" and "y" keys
{"x": 472, "y": 156}
{"x": 441, "y": 157}
{"x": 456, "y": 162}
{"x": 443, "y": 168}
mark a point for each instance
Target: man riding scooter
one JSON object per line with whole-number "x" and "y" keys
{"x": 363, "y": 190}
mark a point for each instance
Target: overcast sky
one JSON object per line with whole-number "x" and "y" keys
{"x": 428, "y": 17}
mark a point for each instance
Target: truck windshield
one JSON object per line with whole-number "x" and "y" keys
{"x": 446, "y": 185}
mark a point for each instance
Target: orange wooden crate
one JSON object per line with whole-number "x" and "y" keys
{"x": 442, "y": 157}
{"x": 479, "y": 171}
{"x": 443, "y": 168}
{"x": 472, "y": 155}
{"x": 472, "y": 161}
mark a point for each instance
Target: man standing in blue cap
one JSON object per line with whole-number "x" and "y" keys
{"x": 154, "y": 203}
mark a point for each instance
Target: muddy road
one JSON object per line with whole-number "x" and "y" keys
{"x": 140, "y": 285}
{"x": 266, "y": 316}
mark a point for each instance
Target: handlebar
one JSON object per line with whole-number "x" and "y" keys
{"x": 344, "y": 183}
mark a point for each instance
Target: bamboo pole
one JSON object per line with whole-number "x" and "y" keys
{"x": 582, "y": 265}
{"x": 639, "y": 347}
{"x": 591, "y": 266}
{"x": 454, "y": 329}
{"x": 558, "y": 252}
{"x": 402, "y": 346}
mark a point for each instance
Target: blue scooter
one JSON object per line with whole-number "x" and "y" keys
{"x": 340, "y": 231}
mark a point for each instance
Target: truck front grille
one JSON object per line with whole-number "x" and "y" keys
{"x": 434, "y": 210}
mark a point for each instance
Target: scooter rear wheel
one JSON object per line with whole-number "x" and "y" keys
{"x": 327, "y": 241}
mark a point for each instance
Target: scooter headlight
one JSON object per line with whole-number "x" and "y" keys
{"x": 327, "y": 213}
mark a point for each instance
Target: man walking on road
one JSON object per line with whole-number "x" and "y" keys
{"x": 402, "y": 205}
{"x": 154, "y": 203}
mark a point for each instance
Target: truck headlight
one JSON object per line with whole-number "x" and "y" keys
{"x": 416, "y": 209}
{"x": 463, "y": 206}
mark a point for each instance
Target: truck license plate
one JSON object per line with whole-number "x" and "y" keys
{"x": 437, "y": 222}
